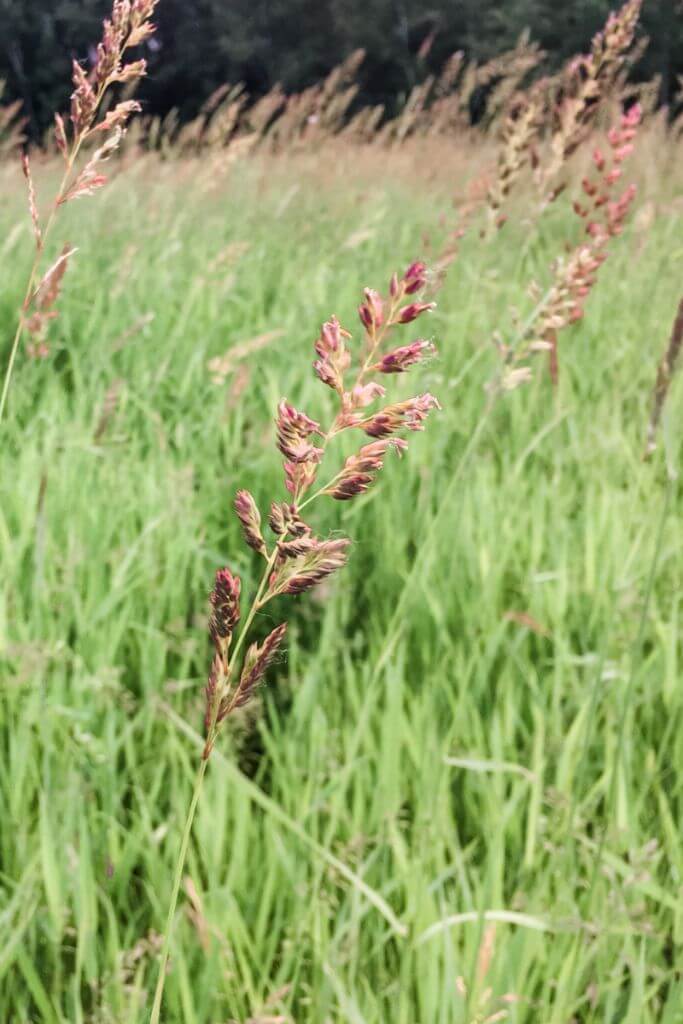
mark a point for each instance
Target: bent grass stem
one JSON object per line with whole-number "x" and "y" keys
{"x": 40, "y": 249}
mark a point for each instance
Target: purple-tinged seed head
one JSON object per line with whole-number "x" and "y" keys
{"x": 371, "y": 312}
{"x": 250, "y": 518}
{"x": 225, "y": 605}
{"x": 414, "y": 278}
{"x": 359, "y": 470}
{"x": 293, "y": 429}
{"x": 408, "y": 415}
{"x": 409, "y": 313}
{"x": 400, "y": 359}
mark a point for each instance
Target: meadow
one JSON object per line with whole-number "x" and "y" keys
{"x": 458, "y": 799}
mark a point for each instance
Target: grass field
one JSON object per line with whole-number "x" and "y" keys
{"x": 460, "y": 794}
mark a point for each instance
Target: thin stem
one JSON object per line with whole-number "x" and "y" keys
{"x": 40, "y": 249}
{"x": 31, "y": 281}
{"x": 15, "y": 347}
{"x": 213, "y": 727}
{"x": 189, "y": 821}
{"x": 257, "y": 603}
{"x": 321, "y": 490}
{"x": 179, "y": 868}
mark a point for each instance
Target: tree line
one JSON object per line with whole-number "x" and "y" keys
{"x": 201, "y": 45}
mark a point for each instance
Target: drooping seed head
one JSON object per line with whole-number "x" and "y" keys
{"x": 60, "y": 134}
{"x": 131, "y": 72}
{"x": 219, "y": 676}
{"x": 297, "y": 546}
{"x": 411, "y": 312}
{"x": 119, "y": 116}
{"x": 414, "y": 278}
{"x": 285, "y": 518}
{"x": 110, "y": 49}
{"x": 598, "y": 159}
{"x": 225, "y": 609}
{"x": 371, "y": 312}
{"x": 333, "y": 356}
{"x": 359, "y": 470}
{"x": 296, "y": 575}
{"x": 293, "y": 429}
{"x": 400, "y": 359}
{"x": 277, "y": 519}
{"x": 364, "y": 394}
{"x": 32, "y": 201}
{"x": 250, "y": 518}
{"x": 299, "y": 476}
{"x": 408, "y": 415}
{"x": 257, "y": 661}
{"x": 83, "y": 100}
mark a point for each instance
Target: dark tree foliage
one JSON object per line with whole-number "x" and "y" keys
{"x": 203, "y": 44}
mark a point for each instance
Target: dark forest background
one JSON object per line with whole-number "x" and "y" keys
{"x": 204, "y": 43}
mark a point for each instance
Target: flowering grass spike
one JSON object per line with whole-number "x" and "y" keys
{"x": 128, "y": 26}
{"x": 602, "y": 211}
{"x": 296, "y": 559}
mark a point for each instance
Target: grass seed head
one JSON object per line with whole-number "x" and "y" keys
{"x": 359, "y": 471}
{"x": 225, "y": 604}
{"x": 304, "y": 571}
{"x": 402, "y": 358}
{"x": 250, "y": 518}
{"x": 408, "y": 415}
{"x": 334, "y": 358}
{"x": 293, "y": 430}
{"x": 258, "y": 659}
{"x": 299, "y": 560}
{"x": 413, "y": 311}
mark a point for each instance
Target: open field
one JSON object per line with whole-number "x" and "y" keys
{"x": 460, "y": 793}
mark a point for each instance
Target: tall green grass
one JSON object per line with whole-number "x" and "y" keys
{"x": 422, "y": 754}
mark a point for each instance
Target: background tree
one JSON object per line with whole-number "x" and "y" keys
{"x": 262, "y": 42}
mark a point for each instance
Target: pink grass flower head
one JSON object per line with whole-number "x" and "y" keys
{"x": 256, "y": 662}
{"x": 250, "y": 518}
{"x": 401, "y": 359}
{"x": 298, "y": 560}
{"x": 415, "y": 278}
{"x": 599, "y": 159}
{"x": 127, "y": 26}
{"x": 371, "y": 312}
{"x": 364, "y": 395}
{"x": 293, "y": 430}
{"x": 576, "y": 275}
{"x": 408, "y": 415}
{"x": 225, "y": 605}
{"x": 284, "y": 518}
{"x": 333, "y": 357}
{"x": 308, "y": 566}
{"x": 587, "y": 82}
{"x": 413, "y": 311}
{"x": 359, "y": 471}
{"x": 299, "y": 476}
{"x": 277, "y": 520}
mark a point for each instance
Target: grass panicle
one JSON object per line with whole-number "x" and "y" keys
{"x": 128, "y": 27}
{"x": 297, "y": 560}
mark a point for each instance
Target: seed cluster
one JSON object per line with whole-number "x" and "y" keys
{"x": 298, "y": 560}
